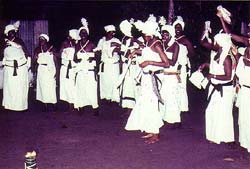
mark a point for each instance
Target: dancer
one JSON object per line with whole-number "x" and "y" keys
{"x": 145, "y": 115}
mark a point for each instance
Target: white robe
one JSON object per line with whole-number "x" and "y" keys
{"x": 109, "y": 76}
{"x": 219, "y": 116}
{"x": 145, "y": 115}
{"x": 171, "y": 108}
{"x": 67, "y": 84}
{"x": 15, "y": 88}
{"x": 243, "y": 72}
{"x": 86, "y": 83}
{"x": 46, "y": 82}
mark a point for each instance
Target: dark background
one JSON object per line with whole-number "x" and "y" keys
{"x": 66, "y": 14}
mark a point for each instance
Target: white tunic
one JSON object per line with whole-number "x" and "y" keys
{"x": 183, "y": 61}
{"x": 86, "y": 83}
{"x": 219, "y": 117}
{"x": 169, "y": 91}
{"x": 145, "y": 115}
{"x": 67, "y": 75}
{"x": 243, "y": 72}
{"x": 46, "y": 82}
{"x": 15, "y": 88}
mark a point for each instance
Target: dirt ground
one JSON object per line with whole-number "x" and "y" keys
{"x": 66, "y": 140}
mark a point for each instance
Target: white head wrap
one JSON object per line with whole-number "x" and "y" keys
{"x": 125, "y": 27}
{"x": 151, "y": 18}
{"x": 84, "y": 25}
{"x": 109, "y": 28}
{"x": 139, "y": 25}
{"x": 171, "y": 31}
{"x": 162, "y": 20}
{"x": 150, "y": 28}
{"x": 180, "y": 21}
{"x": 74, "y": 34}
{"x": 10, "y": 27}
{"x": 46, "y": 37}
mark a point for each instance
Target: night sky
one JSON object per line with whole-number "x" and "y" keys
{"x": 66, "y": 14}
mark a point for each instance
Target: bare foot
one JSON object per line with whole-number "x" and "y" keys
{"x": 147, "y": 135}
{"x": 155, "y": 138}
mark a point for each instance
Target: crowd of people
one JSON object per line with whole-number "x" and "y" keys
{"x": 146, "y": 72}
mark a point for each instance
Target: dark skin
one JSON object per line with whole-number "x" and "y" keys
{"x": 43, "y": 47}
{"x": 227, "y": 66}
{"x": 174, "y": 48}
{"x": 182, "y": 39}
{"x": 12, "y": 36}
{"x": 84, "y": 41}
{"x": 158, "y": 48}
{"x": 69, "y": 42}
{"x": 241, "y": 39}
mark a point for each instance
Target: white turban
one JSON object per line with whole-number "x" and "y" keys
{"x": 125, "y": 27}
{"x": 170, "y": 29}
{"x": 10, "y": 27}
{"x": 223, "y": 39}
{"x": 74, "y": 34}
{"x": 84, "y": 25}
{"x": 139, "y": 25}
{"x": 179, "y": 21}
{"x": 150, "y": 28}
{"x": 109, "y": 28}
{"x": 46, "y": 37}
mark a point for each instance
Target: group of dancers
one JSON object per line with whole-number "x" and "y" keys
{"x": 145, "y": 72}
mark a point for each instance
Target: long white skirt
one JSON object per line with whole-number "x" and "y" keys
{"x": 183, "y": 96}
{"x": 67, "y": 85}
{"x": 46, "y": 85}
{"x": 15, "y": 88}
{"x": 108, "y": 81}
{"x": 145, "y": 116}
{"x": 86, "y": 90}
{"x": 219, "y": 116}
{"x": 244, "y": 118}
{"x": 171, "y": 108}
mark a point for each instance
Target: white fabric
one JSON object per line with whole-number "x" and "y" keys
{"x": 145, "y": 116}
{"x": 9, "y": 28}
{"x": 169, "y": 91}
{"x": 225, "y": 14}
{"x": 46, "y": 82}
{"x": 109, "y": 77}
{"x": 15, "y": 88}
{"x": 74, "y": 34}
{"x": 242, "y": 72}
{"x": 196, "y": 79}
{"x": 1, "y": 75}
{"x": 125, "y": 28}
{"x": 150, "y": 28}
{"x": 67, "y": 85}
{"x": 86, "y": 84}
{"x": 109, "y": 28}
{"x": 46, "y": 37}
{"x": 179, "y": 22}
{"x": 219, "y": 117}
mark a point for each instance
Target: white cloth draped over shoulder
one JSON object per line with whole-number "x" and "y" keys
{"x": 15, "y": 87}
{"x": 46, "y": 82}
{"x": 219, "y": 117}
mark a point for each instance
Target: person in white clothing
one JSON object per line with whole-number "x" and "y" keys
{"x": 109, "y": 70}
{"x": 242, "y": 72}
{"x": 186, "y": 52}
{"x": 16, "y": 65}
{"x": 67, "y": 74}
{"x": 219, "y": 117}
{"x": 171, "y": 108}
{"x": 86, "y": 79}
{"x": 145, "y": 115}
{"x": 46, "y": 73}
